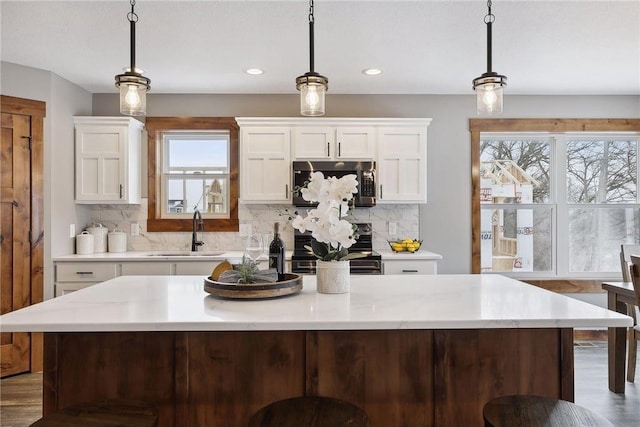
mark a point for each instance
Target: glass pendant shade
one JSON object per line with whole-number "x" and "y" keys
{"x": 133, "y": 98}
{"x": 489, "y": 92}
{"x": 312, "y": 93}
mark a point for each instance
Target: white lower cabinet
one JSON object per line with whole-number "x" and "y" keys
{"x": 410, "y": 266}
{"x": 73, "y": 276}
{"x": 70, "y": 277}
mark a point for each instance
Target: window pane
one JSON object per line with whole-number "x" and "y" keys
{"x": 516, "y": 240}
{"x": 601, "y": 171}
{"x": 196, "y": 166}
{"x": 596, "y": 236}
{"x": 208, "y": 195}
{"x": 506, "y": 165}
{"x": 203, "y": 153}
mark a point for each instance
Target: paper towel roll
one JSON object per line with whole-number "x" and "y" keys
{"x": 84, "y": 243}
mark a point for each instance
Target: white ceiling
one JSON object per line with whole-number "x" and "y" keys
{"x": 422, "y": 46}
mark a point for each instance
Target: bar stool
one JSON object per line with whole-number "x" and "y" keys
{"x": 538, "y": 411}
{"x": 103, "y": 413}
{"x": 310, "y": 411}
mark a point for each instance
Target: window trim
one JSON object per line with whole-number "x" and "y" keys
{"x": 478, "y": 126}
{"x": 156, "y": 125}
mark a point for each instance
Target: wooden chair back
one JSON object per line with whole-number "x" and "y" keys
{"x": 625, "y": 261}
{"x": 635, "y": 274}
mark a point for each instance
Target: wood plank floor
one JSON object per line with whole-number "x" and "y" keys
{"x": 21, "y": 395}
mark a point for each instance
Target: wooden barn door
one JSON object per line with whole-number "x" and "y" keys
{"x": 20, "y": 227}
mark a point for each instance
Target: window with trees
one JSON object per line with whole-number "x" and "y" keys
{"x": 193, "y": 165}
{"x": 554, "y": 198}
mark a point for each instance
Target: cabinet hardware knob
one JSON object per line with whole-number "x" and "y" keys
{"x": 84, "y": 272}
{"x": 121, "y": 188}
{"x": 409, "y": 271}
{"x": 286, "y": 190}
{"x": 328, "y": 153}
{"x": 339, "y": 149}
{"x": 381, "y": 191}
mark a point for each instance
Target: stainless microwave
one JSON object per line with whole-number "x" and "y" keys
{"x": 365, "y": 172}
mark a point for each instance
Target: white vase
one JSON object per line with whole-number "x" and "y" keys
{"x": 332, "y": 277}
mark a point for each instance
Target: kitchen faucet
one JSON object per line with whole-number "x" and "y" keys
{"x": 197, "y": 221}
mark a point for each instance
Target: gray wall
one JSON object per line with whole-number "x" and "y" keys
{"x": 445, "y": 221}
{"x": 63, "y": 100}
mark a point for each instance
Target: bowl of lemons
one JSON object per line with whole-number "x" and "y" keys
{"x": 406, "y": 245}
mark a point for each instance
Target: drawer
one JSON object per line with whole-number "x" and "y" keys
{"x": 85, "y": 272}
{"x": 410, "y": 267}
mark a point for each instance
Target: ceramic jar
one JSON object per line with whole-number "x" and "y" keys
{"x": 332, "y": 277}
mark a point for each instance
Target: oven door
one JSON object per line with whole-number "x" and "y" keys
{"x": 357, "y": 266}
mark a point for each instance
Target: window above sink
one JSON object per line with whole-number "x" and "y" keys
{"x": 193, "y": 164}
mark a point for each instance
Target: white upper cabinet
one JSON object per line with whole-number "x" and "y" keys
{"x": 402, "y": 164}
{"x": 328, "y": 142}
{"x": 265, "y": 164}
{"x": 269, "y": 145}
{"x": 107, "y": 160}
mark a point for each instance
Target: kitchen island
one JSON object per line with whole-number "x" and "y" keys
{"x": 410, "y": 350}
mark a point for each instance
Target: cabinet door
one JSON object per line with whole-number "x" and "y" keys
{"x": 107, "y": 160}
{"x": 313, "y": 143}
{"x": 265, "y": 173}
{"x": 358, "y": 143}
{"x": 99, "y": 162}
{"x": 402, "y": 165}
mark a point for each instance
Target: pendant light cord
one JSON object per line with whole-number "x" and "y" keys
{"x": 311, "y": 21}
{"x": 133, "y": 18}
{"x": 489, "y": 19}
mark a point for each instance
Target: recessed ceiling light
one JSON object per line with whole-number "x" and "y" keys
{"x": 372, "y": 71}
{"x": 254, "y": 71}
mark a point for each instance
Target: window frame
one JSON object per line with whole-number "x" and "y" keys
{"x": 155, "y": 126}
{"x": 549, "y": 126}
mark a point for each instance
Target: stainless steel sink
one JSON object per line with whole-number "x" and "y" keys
{"x": 187, "y": 254}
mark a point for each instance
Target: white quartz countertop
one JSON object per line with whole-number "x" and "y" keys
{"x": 221, "y": 255}
{"x": 158, "y": 256}
{"x": 179, "y": 303}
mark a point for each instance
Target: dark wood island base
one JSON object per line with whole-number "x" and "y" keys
{"x": 399, "y": 377}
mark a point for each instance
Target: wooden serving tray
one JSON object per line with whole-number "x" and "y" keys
{"x": 291, "y": 285}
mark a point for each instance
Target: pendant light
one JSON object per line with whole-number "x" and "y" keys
{"x": 489, "y": 86}
{"x": 133, "y": 85}
{"x": 312, "y": 86}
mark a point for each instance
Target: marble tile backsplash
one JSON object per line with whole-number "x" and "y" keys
{"x": 261, "y": 219}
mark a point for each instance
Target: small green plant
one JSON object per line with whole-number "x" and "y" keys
{"x": 246, "y": 270}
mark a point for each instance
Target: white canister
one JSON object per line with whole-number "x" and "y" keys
{"x": 99, "y": 237}
{"x": 84, "y": 243}
{"x": 117, "y": 241}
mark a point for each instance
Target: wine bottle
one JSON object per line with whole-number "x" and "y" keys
{"x": 276, "y": 252}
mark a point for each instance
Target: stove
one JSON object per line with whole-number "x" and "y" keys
{"x": 304, "y": 262}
